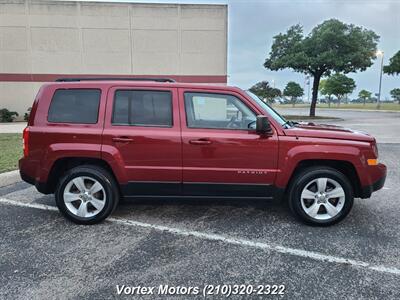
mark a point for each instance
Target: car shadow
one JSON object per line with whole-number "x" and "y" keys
{"x": 222, "y": 211}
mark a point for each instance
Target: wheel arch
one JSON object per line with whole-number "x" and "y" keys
{"x": 62, "y": 165}
{"x": 345, "y": 167}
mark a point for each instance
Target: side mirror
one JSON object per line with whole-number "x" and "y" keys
{"x": 263, "y": 125}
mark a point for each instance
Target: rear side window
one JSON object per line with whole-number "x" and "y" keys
{"x": 75, "y": 106}
{"x": 142, "y": 108}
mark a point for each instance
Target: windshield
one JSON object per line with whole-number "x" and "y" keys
{"x": 268, "y": 109}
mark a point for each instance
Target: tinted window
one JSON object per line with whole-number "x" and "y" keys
{"x": 142, "y": 108}
{"x": 217, "y": 111}
{"x": 75, "y": 106}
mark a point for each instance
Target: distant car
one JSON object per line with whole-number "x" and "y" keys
{"x": 93, "y": 141}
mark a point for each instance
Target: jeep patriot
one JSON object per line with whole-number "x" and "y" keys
{"x": 92, "y": 142}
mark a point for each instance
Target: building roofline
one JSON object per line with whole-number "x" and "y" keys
{"x": 140, "y": 2}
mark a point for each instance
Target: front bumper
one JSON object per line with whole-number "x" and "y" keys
{"x": 366, "y": 191}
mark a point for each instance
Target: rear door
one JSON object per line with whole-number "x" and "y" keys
{"x": 142, "y": 134}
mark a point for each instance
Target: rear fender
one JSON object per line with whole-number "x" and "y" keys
{"x": 65, "y": 150}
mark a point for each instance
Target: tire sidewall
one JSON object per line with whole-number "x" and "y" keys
{"x": 306, "y": 177}
{"x": 102, "y": 179}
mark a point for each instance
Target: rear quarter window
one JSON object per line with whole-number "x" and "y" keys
{"x": 79, "y": 106}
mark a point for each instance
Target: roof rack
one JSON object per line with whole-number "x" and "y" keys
{"x": 114, "y": 79}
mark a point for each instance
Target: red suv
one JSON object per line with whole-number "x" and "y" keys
{"x": 93, "y": 141}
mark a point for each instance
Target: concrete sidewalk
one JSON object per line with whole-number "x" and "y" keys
{"x": 16, "y": 127}
{"x": 9, "y": 178}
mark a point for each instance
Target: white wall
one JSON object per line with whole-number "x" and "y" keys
{"x": 52, "y": 37}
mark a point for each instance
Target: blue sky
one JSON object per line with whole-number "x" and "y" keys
{"x": 253, "y": 23}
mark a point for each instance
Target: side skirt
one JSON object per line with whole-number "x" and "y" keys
{"x": 200, "y": 190}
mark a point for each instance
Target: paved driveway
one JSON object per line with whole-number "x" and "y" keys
{"x": 200, "y": 242}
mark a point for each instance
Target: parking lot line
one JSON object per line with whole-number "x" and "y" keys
{"x": 230, "y": 240}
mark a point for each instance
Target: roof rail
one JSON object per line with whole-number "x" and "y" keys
{"x": 114, "y": 79}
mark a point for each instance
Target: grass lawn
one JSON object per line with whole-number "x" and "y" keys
{"x": 10, "y": 151}
{"x": 384, "y": 106}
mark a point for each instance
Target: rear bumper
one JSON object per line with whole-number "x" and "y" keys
{"x": 40, "y": 186}
{"x": 366, "y": 191}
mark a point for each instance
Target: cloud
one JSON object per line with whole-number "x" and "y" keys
{"x": 252, "y": 25}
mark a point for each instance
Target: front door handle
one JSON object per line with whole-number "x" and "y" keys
{"x": 200, "y": 142}
{"x": 122, "y": 139}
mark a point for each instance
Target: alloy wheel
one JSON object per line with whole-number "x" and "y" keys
{"x": 84, "y": 196}
{"x": 323, "y": 198}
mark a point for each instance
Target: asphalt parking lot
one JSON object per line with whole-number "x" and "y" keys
{"x": 197, "y": 242}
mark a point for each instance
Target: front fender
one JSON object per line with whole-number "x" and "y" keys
{"x": 295, "y": 150}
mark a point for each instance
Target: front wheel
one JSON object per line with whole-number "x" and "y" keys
{"x": 87, "y": 194}
{"x": 321, "y": 196}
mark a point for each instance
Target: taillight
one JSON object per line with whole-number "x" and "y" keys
{"x": 25, "y": 137}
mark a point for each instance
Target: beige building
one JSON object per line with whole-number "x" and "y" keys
{"x": 44, "y": 40}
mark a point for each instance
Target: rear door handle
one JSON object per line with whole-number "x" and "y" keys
{"x": 200, "y": 142}
{"x": 122, "y": 139}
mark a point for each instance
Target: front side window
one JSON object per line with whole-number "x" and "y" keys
{"x": 75, "y": 106}
{"x": 219, "y": 111}
{"x": 142, "y": 108}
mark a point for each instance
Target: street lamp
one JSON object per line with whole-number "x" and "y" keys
{"x": 378, "y": 103}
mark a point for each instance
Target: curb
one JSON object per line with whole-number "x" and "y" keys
{"x": 318, "y": 120}
{"x": 9, "y": 178}
{"x": 360, "y": 110}
{"x": 342, "y": 109}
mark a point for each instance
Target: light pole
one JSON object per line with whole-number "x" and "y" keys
{"x": 378, "y": 103}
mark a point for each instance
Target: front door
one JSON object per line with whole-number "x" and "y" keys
{"x": 222, "y": 153}
{"x": 142, "y": 133}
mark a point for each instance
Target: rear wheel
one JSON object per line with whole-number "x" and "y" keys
{"x": 321, "y": 196}
{"x": 87, "y": 194}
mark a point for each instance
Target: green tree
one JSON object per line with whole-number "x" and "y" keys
{"x": 265, "y": 91}
{"x": 394, "y": 65}
{"x": 293, "y": 90}
{"x": 364, "y": 94}
{"x": 330, "y": 46}
{"x": 7, "y": 116}
{"x": 27, "y": 114}
{"x": 325, "y": 91}
{"x": 340, "y": 85}
{"x": 395, "y": 93}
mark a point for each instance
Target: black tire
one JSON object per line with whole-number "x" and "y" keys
{"x": 104, "y": 178}
{"x": 303, "y": 178}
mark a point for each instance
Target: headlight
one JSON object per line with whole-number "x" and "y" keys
{"x": 375, "y": 149}
{"x": 373, "y": 161}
